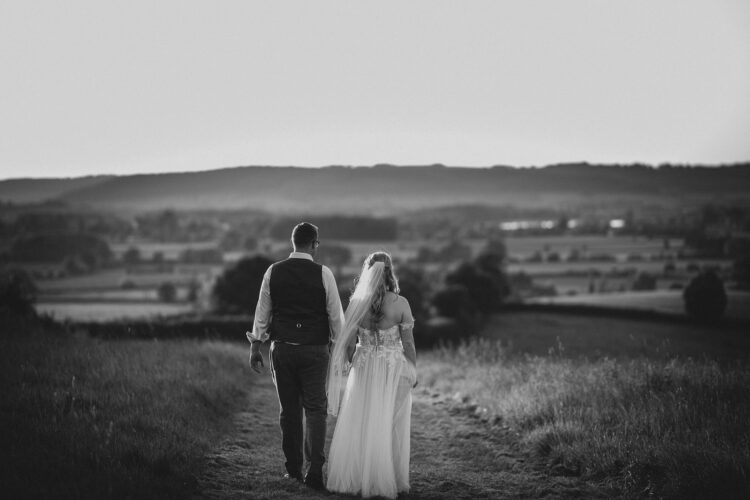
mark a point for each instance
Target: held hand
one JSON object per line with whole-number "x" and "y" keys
{"x": 256, "y": 361}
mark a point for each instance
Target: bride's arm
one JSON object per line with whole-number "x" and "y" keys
{"x": 407, "y": 333}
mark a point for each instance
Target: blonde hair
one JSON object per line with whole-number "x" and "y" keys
{"x": 388, "y": 284}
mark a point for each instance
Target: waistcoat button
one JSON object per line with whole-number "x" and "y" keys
{"x": 299, "y": 325}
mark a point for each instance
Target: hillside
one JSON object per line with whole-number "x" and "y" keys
{"x": 384, "y": 188}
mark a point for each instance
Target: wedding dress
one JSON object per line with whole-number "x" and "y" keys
{"x": 369, "y": 453}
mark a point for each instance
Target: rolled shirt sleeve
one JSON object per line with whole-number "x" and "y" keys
{"x": 333, "y": 304}
{"x": 262, "y": 311}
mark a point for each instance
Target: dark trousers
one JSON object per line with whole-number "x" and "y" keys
{"x": 299, "y": 373}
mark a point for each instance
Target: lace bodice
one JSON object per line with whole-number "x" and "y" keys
{"x": 390, "y": 338}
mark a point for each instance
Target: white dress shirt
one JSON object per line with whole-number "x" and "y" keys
{"x": 263, "y": 308}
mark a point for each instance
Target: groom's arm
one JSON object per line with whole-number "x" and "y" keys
{"x": 333, "y": 304}
{"x": 260, "y": 323}
{"x": 262, "y": 318}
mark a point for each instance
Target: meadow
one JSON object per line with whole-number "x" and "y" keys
{"x": 635, "y": 408}
{"x": 84, "y": 418}
{"x": 640, "y": 408}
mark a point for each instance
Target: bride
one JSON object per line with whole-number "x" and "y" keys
{"x": 369, "y": 452}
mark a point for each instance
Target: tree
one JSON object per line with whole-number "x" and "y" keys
{"x": 236, "y": 290}
{"x": 131, "y": 256}
{"x": 739, "y": 250}
{"x": 334, "y": 255}
{"x": 91, "y": 250}
{"x": 456, "y": 302}
{"x": 17, "y": 293}
{"x": 644, "y": 282}
{"x": 705, "y": 297}
{"x": 415, "y": 288}
{"x": 167, "y": 292}
{"x": 484, "y": 291}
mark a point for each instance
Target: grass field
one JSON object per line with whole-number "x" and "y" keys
{"x": 640, "y": 408}
{"x": 643, "y": 408}
{"x": 667, "y": 301}
{"x": 88, "y": 419}
{"x": 110, "y": 311}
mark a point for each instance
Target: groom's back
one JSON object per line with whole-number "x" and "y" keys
{"x": 298, "y": 299}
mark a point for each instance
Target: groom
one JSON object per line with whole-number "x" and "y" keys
{"x": 299, "y": 310}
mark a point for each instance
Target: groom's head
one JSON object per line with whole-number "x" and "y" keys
{"x": 305, "y": 238}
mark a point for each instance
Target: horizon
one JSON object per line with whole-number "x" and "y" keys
{"x": 100, "y": 89}
{"x": 391, "y": 165}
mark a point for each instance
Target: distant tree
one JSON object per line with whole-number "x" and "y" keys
{"x": 415, "y": 288}
{"x": 334, "y": 255}
{"x": 167, "y": 292}
{"x": 739, "y": 251}
{"x": 705, "y": 297}
{"x": 455, "y": 301}
{"x": 484, "y": 291}
{"x": 553, "y": 257}
{"x": 236, "y": 290}
{"x": 194, "y": 288}
{"x": 644, "y": 282}
{"x": 157, "y": 257}
{"x": 131, "y": 256}
{"x": 17, "y": 293}
{"x": 56, "y": 247}
{"x": 201, "y": 256}
{"x": 574, "y": 255}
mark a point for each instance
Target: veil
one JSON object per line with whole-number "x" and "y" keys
{"x": 370, "y": 279}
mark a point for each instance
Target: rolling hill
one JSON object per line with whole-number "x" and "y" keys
{"x": 383, "y": 189}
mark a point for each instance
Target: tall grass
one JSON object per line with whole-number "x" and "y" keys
{"x": 670, "y": 427}
{"x": 86, "y": 418}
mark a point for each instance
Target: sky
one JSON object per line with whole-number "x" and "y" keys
{"x": 95, "y": 87}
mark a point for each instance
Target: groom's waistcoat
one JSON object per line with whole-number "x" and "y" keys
{"x": 298, "y": 303}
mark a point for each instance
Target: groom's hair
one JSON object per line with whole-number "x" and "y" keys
{"x": 304, "y": 234}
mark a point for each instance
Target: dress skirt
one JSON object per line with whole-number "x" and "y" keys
{"x": 369, "y": 452}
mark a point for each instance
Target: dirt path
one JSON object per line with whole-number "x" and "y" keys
{"x": 454, "y": 456}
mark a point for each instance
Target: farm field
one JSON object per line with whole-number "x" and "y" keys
{"x": 667, "y": 301}
{"x": 111, "y": 311}
{"x": 170, "y": 251}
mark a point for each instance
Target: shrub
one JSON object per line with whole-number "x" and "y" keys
{"x": 454, "y": 301}
{"x": 705, "y": 297}
{"x": 644, "y": 281}
{"x": 17, "y": 293}
{"x": 92, "y": 250}
{"x": 167, "y": 292}
{"x": 237, "y": 289}
{"x": 131, "y": 256}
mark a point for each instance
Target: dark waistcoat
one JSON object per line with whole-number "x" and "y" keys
{"x": 298, "y": 303}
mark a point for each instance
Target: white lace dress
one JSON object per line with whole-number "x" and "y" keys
{"x": 370, "y": 449}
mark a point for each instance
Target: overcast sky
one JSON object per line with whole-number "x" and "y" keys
{"x": 124, "y": 87}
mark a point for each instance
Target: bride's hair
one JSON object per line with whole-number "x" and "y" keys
{"x": 388, "y": 284}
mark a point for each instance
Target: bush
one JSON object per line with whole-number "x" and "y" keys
{"x": 644, "y": 282}
{"x": 455, "y": 301}
{"x": 237, "y": 289}
{"x": 131, "y": 256}
{"x": 705, "y": 297}
{"x": 167, "y": 292}
{"x": 91, "y": 250}
{"x": 17, "y": 293}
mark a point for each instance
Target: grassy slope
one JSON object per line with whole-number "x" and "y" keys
{"x": 644, "y": 408}
{"x": 88, "y": 418}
